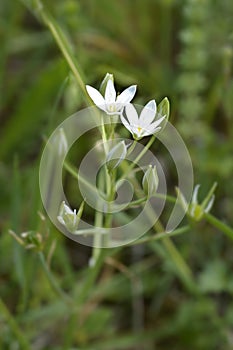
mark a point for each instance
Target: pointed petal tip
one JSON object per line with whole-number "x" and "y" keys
{"x": 151, "y": 104}
{"x": 127, "y": 95}
{"x": 95, "y": 95}
{"x": 195, "y": 193}
{"x": 210, "y": 204}
{"x": 132, "y": 89}
{"x": 110, "y": 92}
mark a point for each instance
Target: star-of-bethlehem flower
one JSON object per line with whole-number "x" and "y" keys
{"x": 110, "y": 103}
{"x": 143, "y": 125}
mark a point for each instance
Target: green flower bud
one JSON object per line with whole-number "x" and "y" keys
{"x": 195, "y": 210}
{"x": 116, "y": 155}
{"x": 163, "y": 110}
{"x": 103, "y": 85}
{"x": 68, "y": 218}
{"x": 150, "y": 181}
{"x": 29, "y": 239}
{"x": 60, "y": 144}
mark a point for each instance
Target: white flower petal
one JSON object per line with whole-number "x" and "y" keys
{"x": 96, "y": 96}
{"x": 148, "y": 113}
{"x": 147, "y": 131}
{"x": 127, "y": 95}
{"x": 210, "y": 204}
{"x": 156, "y": 130}
{"x": 195, "y": 193}
{"x": 131, "y": 114}
{"x": 67, "y": 209}
{"x": 61, "y": 220}
{"x": 125, "y": 123}
{"x": 156, "y": 123}
{"x": 110, "y": 92}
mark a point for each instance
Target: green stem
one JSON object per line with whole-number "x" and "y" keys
{"x": 64, "y": 46}
{"x": 98, "y": 223}
{"x": 219, "y": 225}
{"x": 136, "y": 202}
{"x": 183, "y": 269}
{"x": 78, "y": 176}
{"x": 141, "y": 154}
{"x": 104, "y": 137}
{"x": 90, "y": 231}
{"x": 56, "y": 288}
{"x": 145, "y": 149}
{"x": 110, "y": 195}
{"x": 162, "y": 235}
{"x": 14, "y": 326}
{"x": 131, "y": 148}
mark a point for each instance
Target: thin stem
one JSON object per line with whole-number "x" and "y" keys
{"x": 110, "y": 193}
{"x": 162, "y": 235}
{"x": 141, "y": 154}
{"x": 56, "y": 288}
{"x": 90, "y": 231}
{"x": 98, "y": 223}
{"x": 182, "y": 267}
{"x": 64, "y": 46}
{"x": 79, "y": 177}
{"x": 104, "y": 137}
{"x": 14, "y": 326}
{"x": 219, "y": 225}
{"x": 145, "y": 149}
{"x": 131, "y": 148}
{"x": 136, "y": 202}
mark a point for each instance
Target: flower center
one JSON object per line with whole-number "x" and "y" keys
{"x": 111, "y": 108}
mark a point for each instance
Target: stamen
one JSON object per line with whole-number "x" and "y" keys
{"x": 112, "y": 108}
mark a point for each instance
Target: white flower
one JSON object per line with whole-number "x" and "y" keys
{"x": 110, "y": 103}
{"x": 142, "y": 125}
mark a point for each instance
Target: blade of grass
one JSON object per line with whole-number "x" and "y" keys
{"x": 14, "y": 326}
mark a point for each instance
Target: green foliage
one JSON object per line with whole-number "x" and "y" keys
{"x": 141, "y": 298}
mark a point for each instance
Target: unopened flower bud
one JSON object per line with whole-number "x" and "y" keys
{"x": 150, "y": 181}
{"x": 69, "y": 218}
{"x": 116, "y": 155}
{"x": 196, "y": 210}
{"x": 104, "y": 83}
{"x": 60, "y": 145}
{"x": 163, "y": 110}
{"x": 29, "y": 239}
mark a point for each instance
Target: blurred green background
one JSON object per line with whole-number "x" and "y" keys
{"x": 182, "y": 49}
